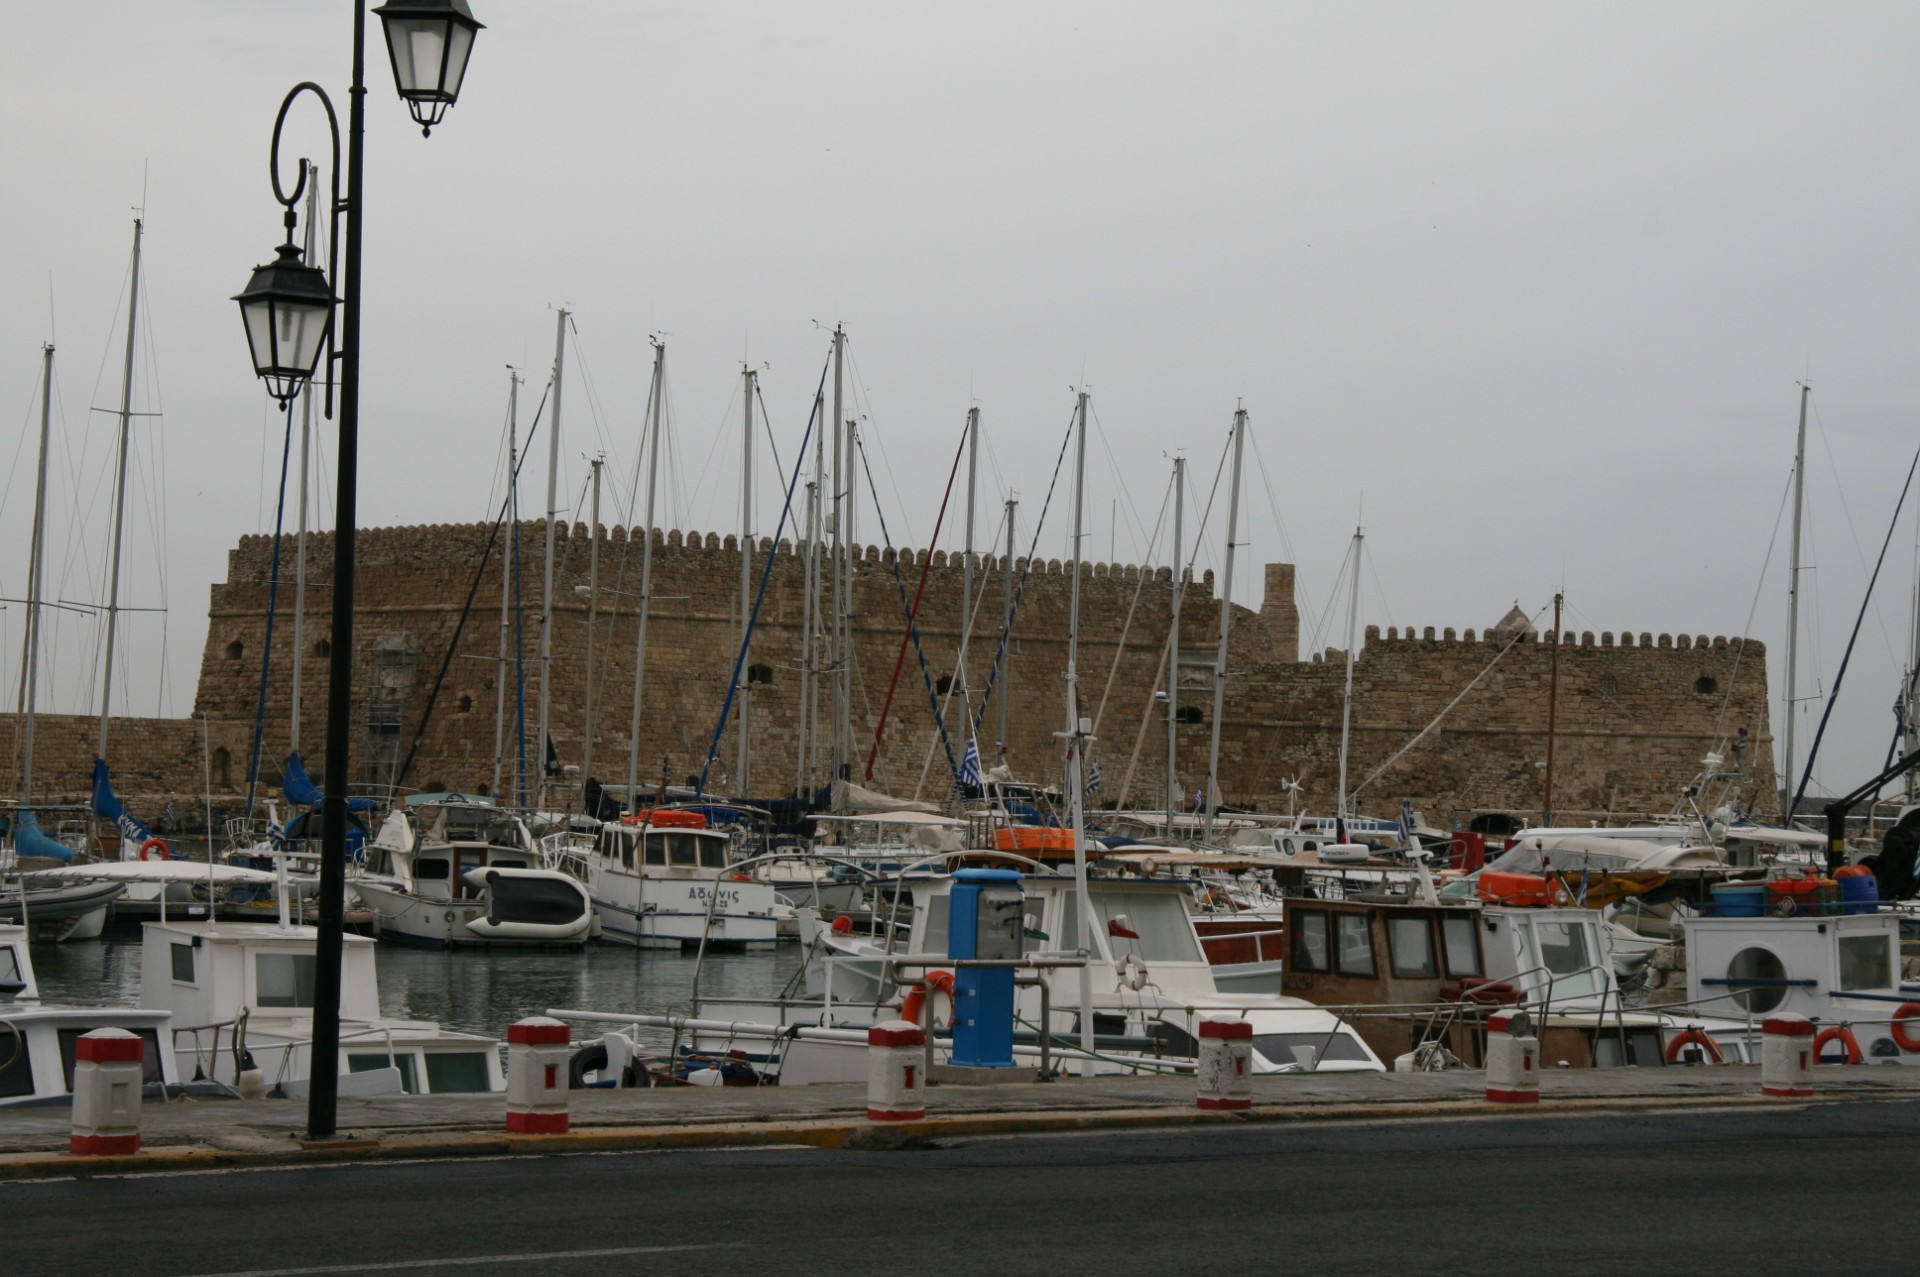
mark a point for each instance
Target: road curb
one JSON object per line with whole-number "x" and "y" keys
{"x": 851, "y": 1133}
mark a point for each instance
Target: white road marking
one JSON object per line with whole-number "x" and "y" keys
{"x": 461, "y": 1260}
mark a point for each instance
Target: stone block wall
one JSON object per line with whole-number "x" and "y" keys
{"x": 1635, "y": 715}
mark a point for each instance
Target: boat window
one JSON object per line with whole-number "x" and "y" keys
{"x": 713, "y": 852}
{"x": 509, "y": 864}
{"x": 1755, "y": 963}
{"x": 16, "y": 1067}
{"x": 369, "y": 1061}
{"x": 456, "y": 1072}
{"x": 1564, "y": 952}
{"x": 1353, "y": 944}
{"x": 683, "y": 849}
{"x": 1463, "y": 947}
{"x": 1277, "y": 1048}
{"x": 1171, "y": 1039}
{"x": 935, "y": 940}
{"x": 283, "y": 979}
{"x": 183, "y": 963}
{"x": 433, "y": 870}
{"x": 9, "y": 965}
{"x": 149, "y": 1053}
{"x": 1410, "y": 944}
{"x": 1866, "y": 962}
{"x": 656, "y": 849}
{"x": 1309, "y": 949}
{"x": 1160, "y": 918}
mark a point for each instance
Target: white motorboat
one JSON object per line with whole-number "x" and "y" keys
{"x": 448, "y": 871}
{"x": 240, "y": 999}
{"x": 37, "y": 1039}
{"x": 662, "y": 878}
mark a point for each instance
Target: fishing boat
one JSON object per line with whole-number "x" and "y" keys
{"x": 238, "y": 1002}
{"x": 664, "y": 878}
{"x": 453, "y": 869}
{"x": 38, "y": 1039}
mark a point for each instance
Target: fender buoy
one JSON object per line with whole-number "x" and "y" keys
{"x": 842, "y": 926}
{"x": 940, "y": 981}
{"x": 1904, "y": 1035}
{"x": 1695, "y": 1037}
{"x": 151, "y": 846}
{"x": 1837, "y": 1033}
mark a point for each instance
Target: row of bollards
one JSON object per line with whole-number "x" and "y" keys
{"x": 108, "y": 1073}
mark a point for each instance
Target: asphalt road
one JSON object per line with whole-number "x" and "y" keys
{"x": 1797, "y": 1190}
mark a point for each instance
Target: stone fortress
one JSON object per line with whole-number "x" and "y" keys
{"x": 1636, "y": 714}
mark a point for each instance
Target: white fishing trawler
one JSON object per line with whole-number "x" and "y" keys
{"x": 664, "y": 878}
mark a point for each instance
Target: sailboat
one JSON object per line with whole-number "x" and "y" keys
{"x": 65, "y": 911}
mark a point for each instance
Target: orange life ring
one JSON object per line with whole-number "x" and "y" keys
{"x": 153, "y": 844}
{"x": 1908, "y": 1040}
{"x": 1681, "y": 1040}
{"x": 1837, "y": 1033}
{"x": 917, "y": 998}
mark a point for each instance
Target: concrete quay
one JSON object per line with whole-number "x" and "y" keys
{"x": 194, "y": 1133}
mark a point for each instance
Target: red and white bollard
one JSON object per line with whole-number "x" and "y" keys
{"x": 896, "y": 1072}
{"x": 1513, "y": 1056}
{"x": 1786, "y": 1056}
{"x": 1225, "y": 1067}
{"x": 106, "y": 1093}
{"x": 537, "y": 1077}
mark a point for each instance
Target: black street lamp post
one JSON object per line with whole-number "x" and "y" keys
{"x": 288, "y": 310}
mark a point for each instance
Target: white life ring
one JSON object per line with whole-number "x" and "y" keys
{"x": 1132, "y": 972}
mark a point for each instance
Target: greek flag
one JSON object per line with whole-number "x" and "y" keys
{"x": 276, "y": 834}
{"x": 970, "y": 765}
{"x": 1093, "y": 777}
{"x": 1406, "y": 816}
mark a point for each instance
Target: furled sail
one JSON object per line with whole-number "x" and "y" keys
{"x": 133, "y": 834}
{"x": 28, "y": 840}
{"x": 302, "y": 792}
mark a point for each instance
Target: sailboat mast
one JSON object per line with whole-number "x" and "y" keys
{"x": 744, "y": 742}
{"x": 966, "y": 570}
{"x": 1173, "y": 788}
{"x": 810, "y": 608}
{"x": 1793, "y": 591}
{"x": 1091, "y": 938}
{"x": 1553, "y": 713}
{"x": 507, "y": 561}
{"x": 593, "y": 616}
{"x": 842, "y": 733}
{"x": 646, "y": 578}
{"x": 1226, "y": 628}
{"x": 1346, "y": 696}
{"x": 1005, "y": 675}
{"x": 553, "y": 517}
{"x": 36, "y": 573}
{"x": 1910, "y": 693}
{"x": 120, "y": 491}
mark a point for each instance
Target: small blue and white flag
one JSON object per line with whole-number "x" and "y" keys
{"x": 276, "y": 834}
{"x": 1093, "y": 776}
{"x": 970, "y": 764}
{"x": 1406, "y": 816}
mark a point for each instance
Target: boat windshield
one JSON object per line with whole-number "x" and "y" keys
{"x": 1566, "y": 950}
{"x": 1164, "y": 927}
{"x": 1279, "y": 1048}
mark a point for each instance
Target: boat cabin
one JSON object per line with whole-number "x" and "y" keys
{"x": 664, "y": 851}
{"x": 434, "y": 847}
{"x": 239, "y": 989}
{"x": 38, "y": 1040}
{"x": 1839, "y": 970}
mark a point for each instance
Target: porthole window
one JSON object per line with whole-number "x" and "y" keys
{"x": 1706, "y": 685}
{"x": 236, "y": 650}
{"x": 1757, "y": 964}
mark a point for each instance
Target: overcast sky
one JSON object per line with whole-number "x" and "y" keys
{"x": 1527, "y": 287}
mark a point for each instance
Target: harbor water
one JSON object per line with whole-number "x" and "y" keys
{"x": 476, "y": 990}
